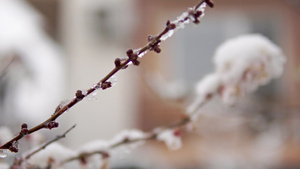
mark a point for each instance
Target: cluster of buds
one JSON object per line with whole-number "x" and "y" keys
{"x": 50, "y": 125}
{"x": 105, "y": 85}
{"x": 133, "y": 57}
{"x": 118, "y": 63}
{"x": 79, "y": 95}
{"x": 196, "y": 15}
{"x": 170, "y": 26}
{"x": 24, "y": 129}
{"x": 154, "y": 46}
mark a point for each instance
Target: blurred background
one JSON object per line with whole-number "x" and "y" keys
{"x": 51, "y": 48}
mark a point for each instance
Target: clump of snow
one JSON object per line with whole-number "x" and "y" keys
{"x": 140, "y": 55}
{"x": 167, "y": 35}
{"x": 205, "y": 89}
{"x": 242, "y": 65}
{"x": 170, "y": 138}
{"x": 127, "y": 135}
{"x": 94, "y": 161}
{"x": 247, "y": 62}
{"x": 95, "y": 145}
{"x": 208, "y": 85}
{"x": 180, "y": 21}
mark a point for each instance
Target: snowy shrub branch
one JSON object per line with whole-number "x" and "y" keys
{"x": 242, "y": 65}
{"x": 193, "y": 14}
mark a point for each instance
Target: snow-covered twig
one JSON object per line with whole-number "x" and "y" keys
{"x": 133, "y": 137}
{"x": 193, "y": 14}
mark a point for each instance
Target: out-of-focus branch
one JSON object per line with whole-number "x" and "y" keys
{"x": 152, "y": 135}
{"x": 8, "y": 62}
{"x": 50, "y": 142}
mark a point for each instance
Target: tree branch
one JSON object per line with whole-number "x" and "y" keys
{"x": 50, "y": 142}
{"x": 133, "y": 55}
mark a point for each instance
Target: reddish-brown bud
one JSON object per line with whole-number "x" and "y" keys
{"x": 117, "y": 62}
{"x": 135, "y": 62}
{"x": 79, "y": 95}
{"x": 198, "y": 14}
{"x": 52, "y": 124}
{"x": 24, "y": 125}
{"x": 157, "y": 49}
{"x": 13, "y": 149}
{"x": 129, "y": 52}
{"x": 170, "y": 25}
{"x": 24, "y": 131}
{"x": 105, "y": 85}
{"x": 177, "y": 133}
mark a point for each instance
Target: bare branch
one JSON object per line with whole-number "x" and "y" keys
{"x": 50, "y": 142}
{"x": 133, "y": 56}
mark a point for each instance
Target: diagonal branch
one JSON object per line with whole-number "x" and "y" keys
{"x": 133, "y": 55}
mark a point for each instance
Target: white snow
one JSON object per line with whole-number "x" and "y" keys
{"x": 127, "y": 134}
{"x": 247, "y": 62}
{"x": 208, "y": 85}
{"x": 172, "y": 141}
{"x": 35, "y": 87}
{"x": 242, "y": 65}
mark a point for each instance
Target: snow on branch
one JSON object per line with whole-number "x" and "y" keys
{"x": 242, "y": 65}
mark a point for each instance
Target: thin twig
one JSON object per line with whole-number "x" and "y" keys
{"x": 149, "y": 136}
{"x": 50, "y": 142}
{"x": 152, "y": 135}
